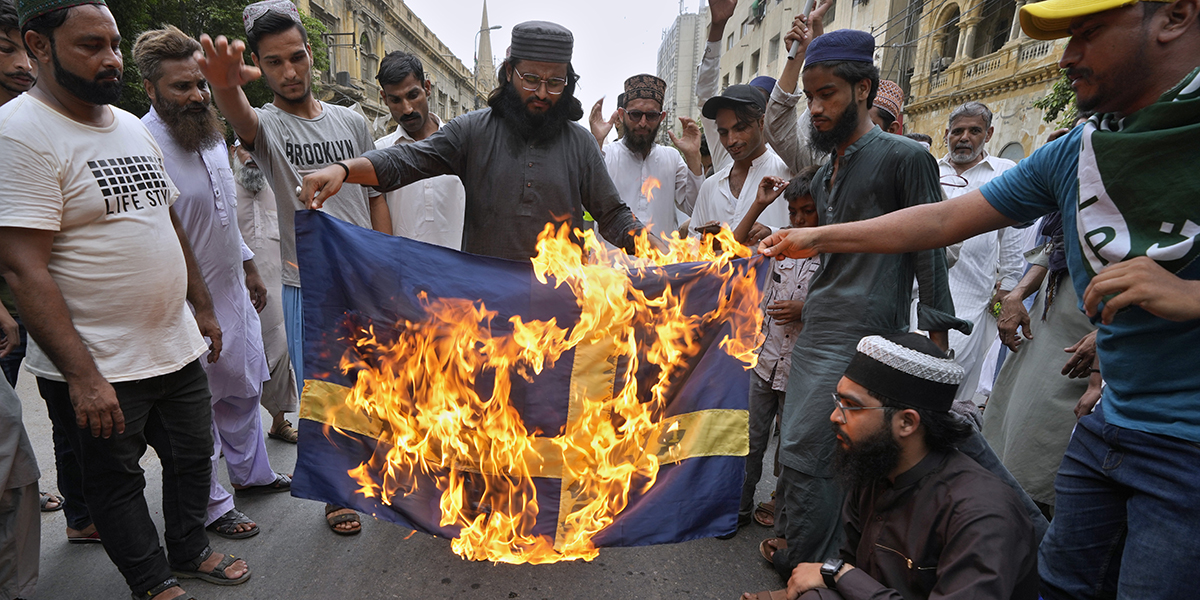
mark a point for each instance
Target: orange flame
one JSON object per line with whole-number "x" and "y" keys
{"x": 648, "y": 188}
{"x": 422, "y": 388}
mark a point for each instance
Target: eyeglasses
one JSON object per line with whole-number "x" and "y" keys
{"x": 838, "y": 401}
{"x": 955, "y": 181}
{"x": 636, "y": 116}
{"x": 531, "y": 83}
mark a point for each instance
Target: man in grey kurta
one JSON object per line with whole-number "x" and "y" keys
{"x": 853, "y": 295}
{"x": 523, "y": 162}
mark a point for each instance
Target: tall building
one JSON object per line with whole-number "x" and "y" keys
{"x": 942, "y": 53}
{"x": 485, "y": 68}
{"x": 678, "y": 55}
{"x": 361, "y": 32}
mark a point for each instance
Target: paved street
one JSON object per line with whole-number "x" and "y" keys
{"x": 296, "y": 557}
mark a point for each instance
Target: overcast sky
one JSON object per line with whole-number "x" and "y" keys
{"x": 611, "y": 43}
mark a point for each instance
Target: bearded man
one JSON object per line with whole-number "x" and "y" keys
{"x": 184, "y": 124}
{"x": 523, "y": 162}
{"x": 636, "y": 158}
{"x": 855, "y": 295}
{"x": 922, "y": 519}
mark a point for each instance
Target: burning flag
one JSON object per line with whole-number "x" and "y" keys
{"x": 532, "y": 412}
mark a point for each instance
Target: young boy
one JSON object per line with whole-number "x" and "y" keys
{"x": 782, "y": 303}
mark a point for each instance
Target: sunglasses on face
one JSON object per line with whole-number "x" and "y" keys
{"x": 636, "y": 116}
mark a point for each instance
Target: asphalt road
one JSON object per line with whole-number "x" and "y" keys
{"x": 296, "y": 557}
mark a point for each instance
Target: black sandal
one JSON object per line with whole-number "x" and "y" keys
{"x": 226, "y": 525}
{"x": 162, "y": 587}
{"x": 336, "y": 515}
{"x": 191, "y": 570}
{"x": 282, "y": 483}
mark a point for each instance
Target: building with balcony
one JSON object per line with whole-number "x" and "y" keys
{"x": 975, "y": 50}
{"x": 679, "y": 52}
{"x": 361, "y": 32}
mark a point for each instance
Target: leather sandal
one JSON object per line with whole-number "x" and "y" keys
{"x": 191, "y": 570}
{"x": 768, "y": 547}
{"x": 282, "y": 483}
{"x": 335, "y": 515}
{"x": 226, "y": 525}
{"x": 285, "y": 432}
{"x": 764, "y": 514}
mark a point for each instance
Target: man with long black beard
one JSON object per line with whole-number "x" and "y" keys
{"x": 190, "y": 134}
{"x": 635, "y": 159}
{"x": 855, "y": 295}
{"x": 522, "y": 161}
{"x": 922, "y": 519}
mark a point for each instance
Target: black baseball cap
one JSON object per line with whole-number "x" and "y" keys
{"x": 734, "y": 96}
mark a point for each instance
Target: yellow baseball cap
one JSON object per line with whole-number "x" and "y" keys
{"x": 1049, "y": 19}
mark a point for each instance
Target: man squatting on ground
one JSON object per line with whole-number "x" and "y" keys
{"x": 1125, "y": 523}
{"x": 95, "y": 262}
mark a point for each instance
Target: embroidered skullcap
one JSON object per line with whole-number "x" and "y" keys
{"x": 621, "y": 100}
{"x": 645, "y": 87}
{"x": 907, "y": 368}
{"x": 890, "y": 98}
{"x": 541, "y": 41}
{"x": 764, "y": 83}
{"x": 32, "y": 9}
{"x": 258, "y": 10}
{"x": 841, "y": 45}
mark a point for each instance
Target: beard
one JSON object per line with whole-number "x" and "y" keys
{"x": 94, "y": 91}
{"x": 641, "y": 143}
{"x": 828, "y": 141}
{"x": 194, "y": 126}
{"x": 964, "y": 156}
{"x": 867, "y": 460}
{"x": 249, "y": 177}
{"x": 537, "y": 128}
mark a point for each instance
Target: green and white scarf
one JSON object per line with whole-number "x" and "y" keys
{"x": 1139, "y": 183}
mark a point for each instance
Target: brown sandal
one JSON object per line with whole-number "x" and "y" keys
{"x": 770, "y": 546}
{"x": 285, "y": 432}
{"x": 764, "y": 514}
{"x": 336, "y": 515}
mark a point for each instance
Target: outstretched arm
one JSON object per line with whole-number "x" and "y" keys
{"x": 923, "y": 227}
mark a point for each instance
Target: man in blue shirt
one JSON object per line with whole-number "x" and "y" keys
{"x": 1127, "y": 186}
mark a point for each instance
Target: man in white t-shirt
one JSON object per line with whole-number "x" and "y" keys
{"x": 430, "y": 210}
{"x": 656, "y": 182}
{"x": 104, "y": 275}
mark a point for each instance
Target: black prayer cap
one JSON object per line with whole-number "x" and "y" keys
{"x": 541, "y": 41}
{"x": 907, "y": 368}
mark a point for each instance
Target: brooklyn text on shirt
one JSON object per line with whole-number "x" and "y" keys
{"x": 130, "y": 183}
{"x": 318, "y": 153}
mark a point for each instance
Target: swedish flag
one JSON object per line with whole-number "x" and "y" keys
{"x": 354, "y": 278}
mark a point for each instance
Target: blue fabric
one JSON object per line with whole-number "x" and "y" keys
{"x": 1125, "y": 505}
{"x": 841, "y": 45}
{"x": 354, "y": 277}
{"x": 1150, "y": 365}
{"x": 293, "y": 326}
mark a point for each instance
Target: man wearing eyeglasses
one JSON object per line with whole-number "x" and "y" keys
{"x": 635, "y": 160}
{"x": 922, "y": 519}
{"x": 522, "y": 161}
{"x": 989, "y": 265}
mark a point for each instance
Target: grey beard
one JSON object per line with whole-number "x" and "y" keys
{"x": 192, "y": 131}
{"x": 251, "y": 178}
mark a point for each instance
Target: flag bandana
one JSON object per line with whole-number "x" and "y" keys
{"x": 1139, "y": 193}
{"x": 420, "y": 377}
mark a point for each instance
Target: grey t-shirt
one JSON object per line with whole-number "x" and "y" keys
{"x": 286, "y": 144}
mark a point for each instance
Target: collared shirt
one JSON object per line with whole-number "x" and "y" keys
{"x": 678, "y": 186}
{"x": 946, "y": 528}
{"x": 983, "y": 260}
{"x": 790, "y": 279}
{"x": 514, "y": 186}
{"x": 717, "y": 202}
{"x": 430, "y": 211}
{"x": 207, "y": 208}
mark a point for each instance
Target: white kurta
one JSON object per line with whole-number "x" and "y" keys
{"x": 983, "y": 261}
{"x": 717, "y": 202}
{"x": 207, "y": 208}
{"x": 678, "y": 185}
{"x": 430, "y": 210}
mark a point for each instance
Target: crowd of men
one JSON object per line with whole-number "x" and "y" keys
{"x": 151, "y": 285}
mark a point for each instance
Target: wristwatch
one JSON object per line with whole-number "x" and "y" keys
{"x": 829, "y": 570}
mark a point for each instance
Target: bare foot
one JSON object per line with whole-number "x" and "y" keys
{"x": 233, "y": 571}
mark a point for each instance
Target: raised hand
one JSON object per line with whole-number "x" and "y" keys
{"x": 222, "y": 64}
{"x": 769, "y": 189}
{"x": 689, "y": 141}
{"x": 599, "y": 126}
{"x": 720, "y": 11}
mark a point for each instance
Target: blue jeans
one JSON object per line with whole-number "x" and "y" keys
{"x": 1126, "y": 516}
{"x": 172, "y": 413}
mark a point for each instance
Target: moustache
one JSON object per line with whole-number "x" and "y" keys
{"x": 412, "y": 117}
{"x": 110, "y": 73}
{"x": 1074, "y": 73}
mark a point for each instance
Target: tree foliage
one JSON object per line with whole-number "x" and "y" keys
{"x": 1059, "y": 103}
{"x": 214, "y": 17}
